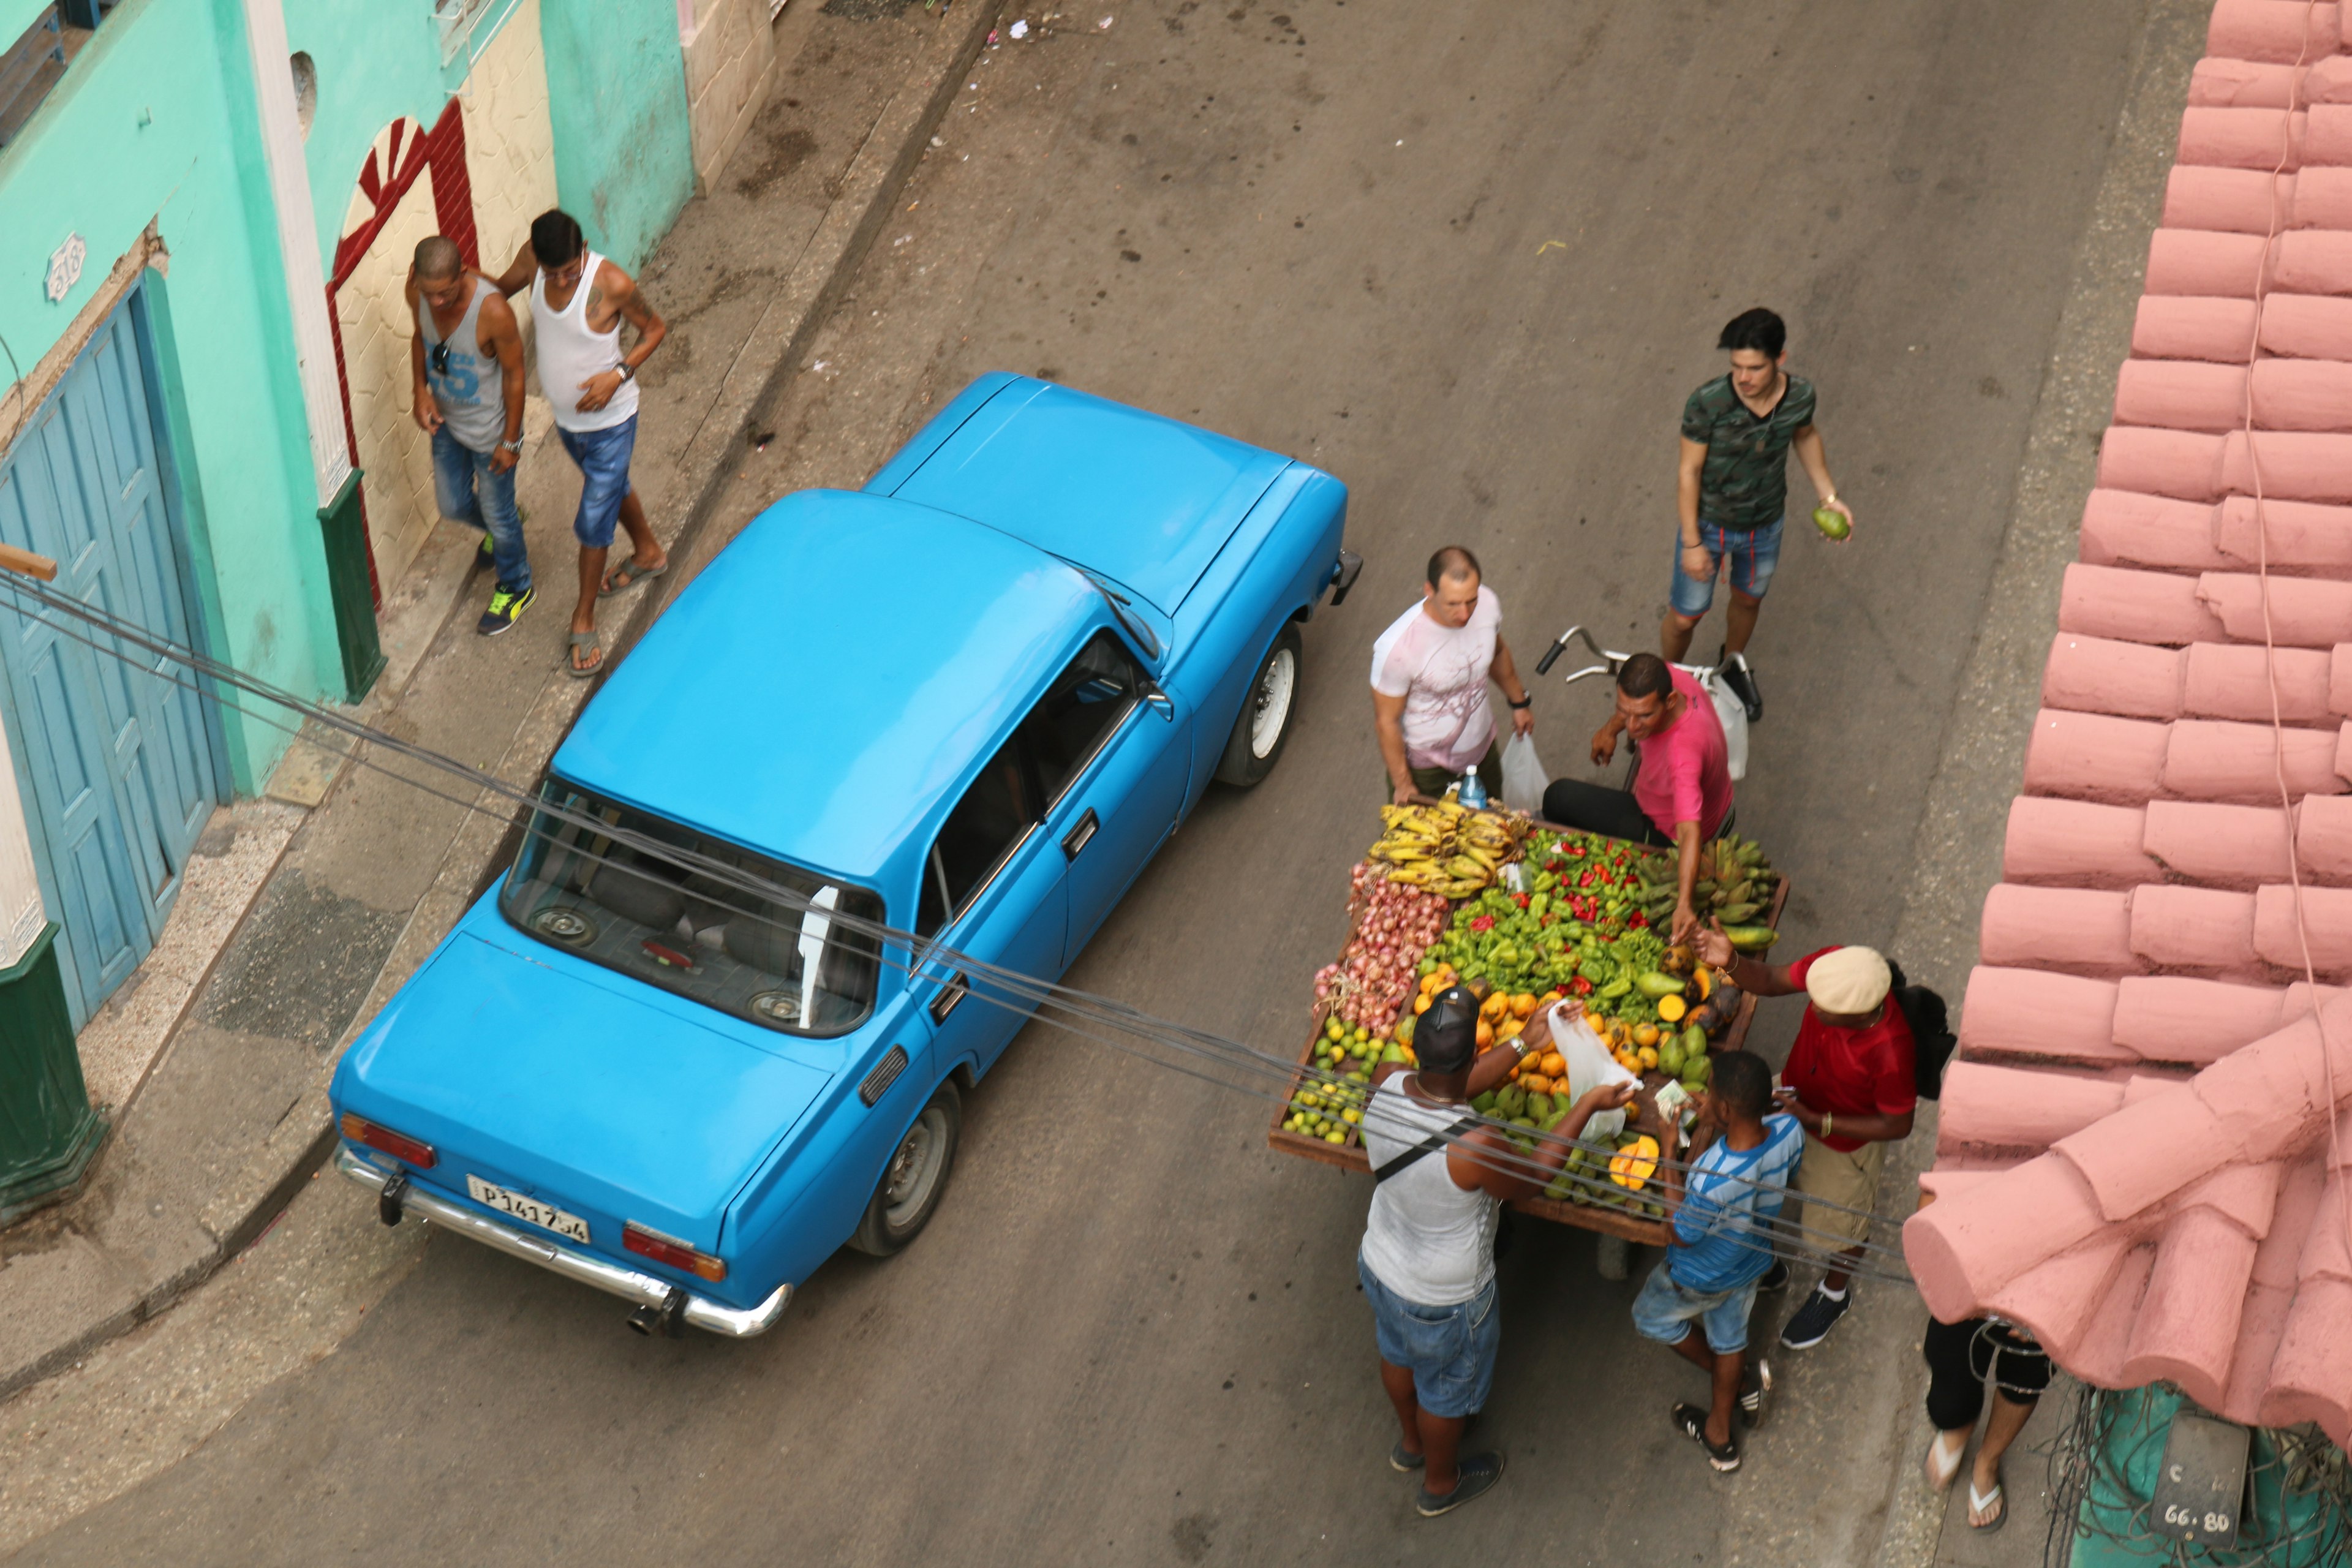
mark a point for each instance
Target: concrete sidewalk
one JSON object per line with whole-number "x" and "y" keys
{"x": 222, "y": 1054}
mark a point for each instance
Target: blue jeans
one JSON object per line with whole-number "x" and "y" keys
{"x": 1663, "y": 1311}
{"x": 468, "y": 491}
{"x": 603, "y": 460}
{"x": 1450, "y": 1350}
{"x": 1754, "y": 552}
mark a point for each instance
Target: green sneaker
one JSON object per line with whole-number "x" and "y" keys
{"x": 506, "y": 607}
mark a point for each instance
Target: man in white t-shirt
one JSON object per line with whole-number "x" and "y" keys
{"x": 1430, "y": 671}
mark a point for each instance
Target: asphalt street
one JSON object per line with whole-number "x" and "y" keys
{"x": 1469, "y": 259}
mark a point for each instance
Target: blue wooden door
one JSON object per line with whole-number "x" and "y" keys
{"x": 115, "y": 752}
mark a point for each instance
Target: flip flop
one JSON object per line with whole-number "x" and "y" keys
{"x": 1941, "y": 1477}
{"x": 1980, "y": 1501}
{"x": 573, "y": 667}
{"x": 627, "y": 575}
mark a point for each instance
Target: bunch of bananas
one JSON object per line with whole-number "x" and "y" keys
{"x": 1445, "y": 847}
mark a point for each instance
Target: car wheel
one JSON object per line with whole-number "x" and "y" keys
{"x": 914, "y": 1178}
{"x": 1265, "y": 722}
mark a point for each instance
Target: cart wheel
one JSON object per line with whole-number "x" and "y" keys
{"x": 1613, "y": 1255}
{"x": 1265, "y": 722}
{"x": 915, "y": 1177}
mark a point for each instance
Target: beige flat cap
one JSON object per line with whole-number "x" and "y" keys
{"x": 1850, "y": 980}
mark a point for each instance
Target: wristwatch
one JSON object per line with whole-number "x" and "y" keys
{"x": 628, "y": 371}
{"x": 1528, "y": 702}
{"x": 514, "y": 446}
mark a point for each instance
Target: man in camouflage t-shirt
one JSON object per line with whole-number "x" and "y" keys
{"x": 1737, "y": 432}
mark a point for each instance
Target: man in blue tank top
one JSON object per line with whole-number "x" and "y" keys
{"x": 465, "y": 340}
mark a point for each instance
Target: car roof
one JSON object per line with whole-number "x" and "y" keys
{"x": 1142, "y": 499}
{"x": 830, "y": 678}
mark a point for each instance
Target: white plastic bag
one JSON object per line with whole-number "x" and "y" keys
{"x": 1523, "y": 775}
{"x": 1590, "y": 1066}
{"x": 1727, "y": 708}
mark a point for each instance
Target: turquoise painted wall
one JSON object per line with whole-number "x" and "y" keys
{"x": 616, "y": 92}
{"x": 155, "y": 121}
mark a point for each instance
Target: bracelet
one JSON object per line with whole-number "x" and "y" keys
{"x": 1522, "y": 702}
{"x": 1826, "y": 1117}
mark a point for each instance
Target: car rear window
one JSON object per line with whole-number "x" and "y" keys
{"x": 680, "y": 927}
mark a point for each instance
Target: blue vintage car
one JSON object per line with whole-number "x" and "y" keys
{"x": 715, "y": 1022}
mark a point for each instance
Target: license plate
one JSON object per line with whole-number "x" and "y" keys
{"x": 545, "y": 1216}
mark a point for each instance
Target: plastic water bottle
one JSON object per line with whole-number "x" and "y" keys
{"x": 1472, "y": 795}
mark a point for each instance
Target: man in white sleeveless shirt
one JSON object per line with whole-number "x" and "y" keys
{"x": 466, "y": 364}
{"x": 578, "y": 302}
{"x": 1440, "y": 1172}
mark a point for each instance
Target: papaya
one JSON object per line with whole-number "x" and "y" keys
{"x": 1751, "y": 939}
{"x": 1634, "y": 1164}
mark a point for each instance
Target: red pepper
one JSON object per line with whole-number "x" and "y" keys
{"x": 1546, "y": 920}
{"x": 1586, "y": 880}
{"x": 1640, "y": 921}
{"x": 1520, "y": 900}
{"x": 1483, "y": 922}
{"x": 1581, "y": 986}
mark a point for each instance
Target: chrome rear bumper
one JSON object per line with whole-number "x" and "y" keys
{"x": 628, "y": 1284}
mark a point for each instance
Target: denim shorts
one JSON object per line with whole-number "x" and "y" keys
{"x": 1450, "y": 1350}
{"x": 1754, "y": 552}
{"x": 1663, "y": 1311}
{"x": 603, "y": 460}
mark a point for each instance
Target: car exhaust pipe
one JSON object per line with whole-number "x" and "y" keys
{"x": 668, "y": 1319}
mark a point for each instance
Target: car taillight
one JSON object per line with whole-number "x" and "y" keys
{"x": 668, "y": 1249}
{"x": 400, "y": 1146}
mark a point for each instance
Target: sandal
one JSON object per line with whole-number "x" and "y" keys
{"x": 1692, "y": 1423}
{"x": 578, "y": 670}
{"x": 627, "y": 575}
{"x": 1980, "y": 1501}
{"x": 1940, "y": 1476}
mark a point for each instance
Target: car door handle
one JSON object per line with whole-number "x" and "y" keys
{"x": 1081, "y": 835}
{"x": 949, "y": 995}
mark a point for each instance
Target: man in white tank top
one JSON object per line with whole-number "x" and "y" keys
{"x": 1427, "y": 1265}
{"x": 578, "y": 302}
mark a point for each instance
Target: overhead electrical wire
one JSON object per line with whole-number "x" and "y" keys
{"x": 1084, "y": 1013}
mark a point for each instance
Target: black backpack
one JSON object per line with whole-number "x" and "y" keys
{"x": 1932, "y": 1040}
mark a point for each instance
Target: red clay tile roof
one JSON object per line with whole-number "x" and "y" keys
{"x": 2135, "y": 1158}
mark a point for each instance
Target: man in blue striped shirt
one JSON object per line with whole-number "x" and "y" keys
{"x": 1722, "y": 1215}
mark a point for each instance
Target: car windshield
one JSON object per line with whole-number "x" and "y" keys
{"x": 685, "y": 930}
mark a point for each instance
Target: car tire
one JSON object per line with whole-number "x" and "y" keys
{"x": 1263, "y": 726}
{"x": 914, "y": 1178}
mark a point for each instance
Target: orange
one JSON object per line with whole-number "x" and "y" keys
{"x": 1523, "y": 1005}
{"x": 1555, "y": 1065}
{"x": 1645, "y": 1034}
{"x": 1421, "y": 1003}
{"x": 1649, "y": 1055}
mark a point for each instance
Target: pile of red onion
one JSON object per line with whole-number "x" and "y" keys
{"x": 1377, "y": 972}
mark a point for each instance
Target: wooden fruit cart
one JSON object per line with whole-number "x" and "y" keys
{"x": 1350, "y": 1155}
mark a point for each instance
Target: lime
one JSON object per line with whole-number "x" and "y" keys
{"x": 1335, "y": 1137}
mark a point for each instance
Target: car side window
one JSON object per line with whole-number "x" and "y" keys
{"x": 993, "y": 816}
{"x": 1080, "y": 709}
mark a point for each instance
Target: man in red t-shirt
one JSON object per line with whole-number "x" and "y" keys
{"x": 1849, "y": 1082}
